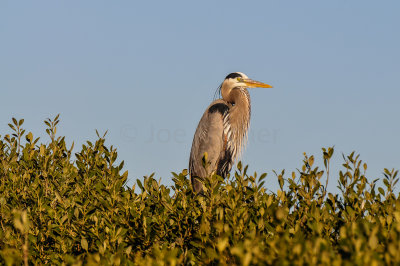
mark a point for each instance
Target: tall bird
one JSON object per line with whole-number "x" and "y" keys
{"x": 222, "y": 130}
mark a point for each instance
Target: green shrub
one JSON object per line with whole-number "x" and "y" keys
{"x": 57, "y": 208}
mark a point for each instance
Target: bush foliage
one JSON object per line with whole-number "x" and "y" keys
{"x": 57, "y": 207}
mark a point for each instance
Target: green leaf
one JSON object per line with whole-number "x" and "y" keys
{"x": 84, "y": 244}
{"x": 140, "y": 184}
{"x": 11, "y": 126}
{"x": 239, "y": 166}
{"x": 29, "y": 137}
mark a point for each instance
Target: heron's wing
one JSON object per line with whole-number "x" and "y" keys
{"x": 209, "y": 137}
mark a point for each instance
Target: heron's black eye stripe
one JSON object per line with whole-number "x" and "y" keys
{"x": 233, "y": 75}
{"x": 218, "y": 107}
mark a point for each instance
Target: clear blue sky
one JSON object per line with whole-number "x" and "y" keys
{"x": 146, "y": 70}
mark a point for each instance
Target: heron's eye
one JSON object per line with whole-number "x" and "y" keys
{"x": 239, "y": 79}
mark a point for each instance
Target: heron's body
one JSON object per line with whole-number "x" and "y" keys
{"x": 222, "y": 130}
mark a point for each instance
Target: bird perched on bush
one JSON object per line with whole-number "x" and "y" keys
{"x": 222, "y": 130}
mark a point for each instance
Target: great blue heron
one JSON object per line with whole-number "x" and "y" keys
{"x": 222, "y": 130}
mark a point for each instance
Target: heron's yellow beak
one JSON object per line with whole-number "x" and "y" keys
{"x": 256, "y": 84}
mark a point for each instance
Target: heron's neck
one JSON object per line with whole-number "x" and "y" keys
{"x": 240, "y": 96}
{"x": 240, "y": 114}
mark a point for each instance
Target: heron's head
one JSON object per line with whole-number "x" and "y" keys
{"x": 239, "y": 80}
